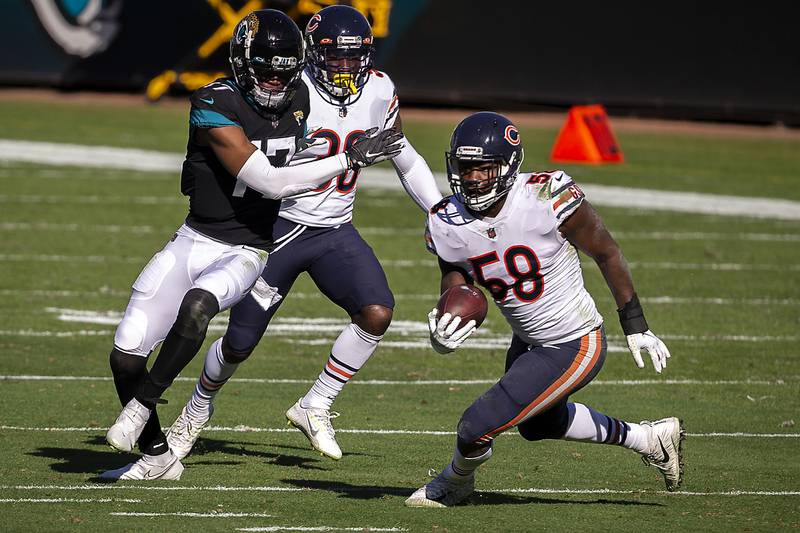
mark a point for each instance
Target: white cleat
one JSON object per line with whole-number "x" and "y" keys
{"x": 442, "y": 492}
{"x": 184, "y": 432}
{"x": 666, "y": 453}
{"x": 128, "y": 427}
{"x": 150, "y": 467}
{"x": 316, "y": 425}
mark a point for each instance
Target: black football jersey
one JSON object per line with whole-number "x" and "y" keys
{"x": 220, "y": 206}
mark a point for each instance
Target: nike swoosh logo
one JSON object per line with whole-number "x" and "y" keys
{"x": 370, "y": 154}
{"x": 312, "y": 427}
{"x": 209, "y": 101}
{"x": 663, "y": 450}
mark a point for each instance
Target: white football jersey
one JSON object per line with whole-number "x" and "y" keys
{"x": 376, "y": 106}
{"x": 532, "y": 272}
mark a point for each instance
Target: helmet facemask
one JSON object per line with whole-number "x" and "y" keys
{"x": 343, "y": 69}
{"x": 491, "y": 182}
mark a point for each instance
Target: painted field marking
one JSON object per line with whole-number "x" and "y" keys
{"x": 604, "y": 195}
{"x": 69, "y": 500}
{"x": 319, "y": 528}
{"x": 424, "y": 382}
{"x": 197, "y": 515}
{"x": 435, "y": 433}
{"x": 190, "y": 488}
{"x": 658, "y": 300}
{"x": 219, "y": 488}
{"x": 394, "y": 232}
{"x": 91, "y": 200}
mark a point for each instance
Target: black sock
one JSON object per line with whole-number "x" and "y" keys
{"x": 130, "y": 371}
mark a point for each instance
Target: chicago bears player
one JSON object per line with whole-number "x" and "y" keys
{"x": 316, "y": 235}
{"x": 241, "y": 131}
{"x": 518, "y": 236}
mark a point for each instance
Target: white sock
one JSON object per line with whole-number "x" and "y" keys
{"x": 462, "y": 467}
{"x": 216, "y": 372}
{"x": 588, "y": 425}
{"x": 349, "y": 353}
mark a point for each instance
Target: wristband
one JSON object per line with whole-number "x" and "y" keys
{"x": 631, "y": 316}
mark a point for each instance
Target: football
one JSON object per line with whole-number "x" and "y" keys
{"x": 465, "y": 301}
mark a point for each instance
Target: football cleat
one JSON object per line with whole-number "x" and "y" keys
{"x": 442, "y": 492}
{"x": 128, "y": 427}
{"x": 316, "y": 425}
{"x": 666, "y": 453}
{"x": 166, "y": 466}
{"x": 183, "y": 433}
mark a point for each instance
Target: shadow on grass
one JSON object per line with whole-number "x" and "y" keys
{"x": 370, "y": 492}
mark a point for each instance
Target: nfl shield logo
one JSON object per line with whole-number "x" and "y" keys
{"x": 491, "y": 233}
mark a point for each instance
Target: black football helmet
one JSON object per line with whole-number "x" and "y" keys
{"x": 340, "y": 50}
{"x": 267, "y": 55}
{"x": 490, "y": 141}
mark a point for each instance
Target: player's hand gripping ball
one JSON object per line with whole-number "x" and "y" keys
{"x": 460, "y": 310}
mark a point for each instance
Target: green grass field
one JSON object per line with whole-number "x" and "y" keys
{"x": 723, "y": 292}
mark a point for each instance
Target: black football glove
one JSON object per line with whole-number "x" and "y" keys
{"x": 374, "y": 148}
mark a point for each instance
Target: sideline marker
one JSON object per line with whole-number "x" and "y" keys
{"x": 586, "y": 137}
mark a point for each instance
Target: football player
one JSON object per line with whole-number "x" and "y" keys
{"x": 315, "y": 234}
{"x": 518, "y": 236}
{"x": 241, "y": 132}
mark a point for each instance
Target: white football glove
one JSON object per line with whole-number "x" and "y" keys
{"x": 655, "y": 347}
{"x": 445, "y": 338}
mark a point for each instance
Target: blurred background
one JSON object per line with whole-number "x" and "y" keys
{"x": 731, "y": 61}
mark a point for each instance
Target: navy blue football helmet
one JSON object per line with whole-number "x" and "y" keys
{"x": 267, "y": 55}
{"x": 490, "y": 142}
{"x": 340, "y": 50}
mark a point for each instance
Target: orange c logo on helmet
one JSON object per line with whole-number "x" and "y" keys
{"x": 313, "y": 24}
{"x": 511, "y": 135}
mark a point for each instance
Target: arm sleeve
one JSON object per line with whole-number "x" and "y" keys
{"x": 416, "y": 177}
{"x": 280, "y": 182}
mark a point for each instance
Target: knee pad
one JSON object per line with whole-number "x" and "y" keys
{"x": 551, "y": 424}
{"x": 131, "y": 333}
{"x": 125, "y": 365}
{"x": 234, "y": 356}
{"x": 197, "y": 309}
{"x": 374, "y": 319}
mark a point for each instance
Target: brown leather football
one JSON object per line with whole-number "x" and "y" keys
{"x": 466, "y": 301}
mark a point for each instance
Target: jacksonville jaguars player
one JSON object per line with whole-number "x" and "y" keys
{"x": 518, "y": 236}
{"x": 316, "y": 235}
{"x": 241, "y": 132}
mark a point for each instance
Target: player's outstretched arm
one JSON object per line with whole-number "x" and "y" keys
{"x": 446, "y": 332}
{"x": 585, "y": 229}
{"x": 415, "y": 174}
{"x": 243, "y": 160}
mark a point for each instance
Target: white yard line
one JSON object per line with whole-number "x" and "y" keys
{"x": 430, "y": 432}
{"x": 604, "y": 195}
{"x": 168, "y": 488}
{"x": 429, "y": 382}
{"x": 197, "y": 515}
{"x": 517, "y": 490}
{"x": 320, "y": 528}
{"x": 657, "y": 300}
{"x": 418, "y": 232}
{"x": 69, "y": 500}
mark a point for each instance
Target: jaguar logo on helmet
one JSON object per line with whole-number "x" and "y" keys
{"x": 511, "y": 135}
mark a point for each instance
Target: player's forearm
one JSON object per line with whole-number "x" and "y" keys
{"x": 617, "y": 275}
{"x": 416, "y": 177}
{"x": 281, "y": 182}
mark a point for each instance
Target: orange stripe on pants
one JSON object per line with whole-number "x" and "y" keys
{"x": 574, "y": 375}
